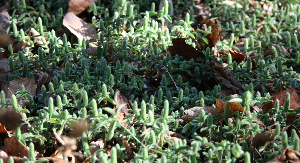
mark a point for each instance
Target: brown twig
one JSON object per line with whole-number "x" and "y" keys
{"x": 169, "y": 74}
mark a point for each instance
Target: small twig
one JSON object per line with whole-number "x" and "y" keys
{"x": 169, "y": 75}
{"x": 58, "y": 139}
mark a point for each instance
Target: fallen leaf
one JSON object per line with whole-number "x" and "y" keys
{"x": 182, "y": 49}
{"x": 4, "y": 19}
{"x": 99, "y": 144}
{"x": 287, "y": 155}
{"x": 79, "y": 28}
{"x": 128, "y": 151}
{"x": 20, "y": 46}
{"x": 4, "y": 156}
{"x": 237, "y": 56}
{"x": 78, "y": 128}
{"x": 122, "y": 113}
{"x": 225, "y": 78}
{"x": 5, "y": 39}
{"x": 4, "y": 65}
{"x": 14, "y": 148}
{"x": 35, "y": 35}
{"x": 294, "y": 102}
{"x": 216, "y": 34}
{"x": 43, "y": 78}
{"x": 233, "y": 106}
{"x": 195, "y": 112}
{"x": 15, "y": 85}
{"x": 260, "y": 139}
{"x": 78, "y": 6}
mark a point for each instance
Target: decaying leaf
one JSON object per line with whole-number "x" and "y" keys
{"x": 195, "y": 112}
{"x": 287, "y": 155}
{"x": 14, "y": 148}
{"x": 15, "y": 85}
{"x": 78, "y": 27}
{"x": 233, "y": 106}
{"x": 99, "y": 144}
{"x": 4, "y": 65}
{"x": 10, "y": 118}
{"x": 35, "y": 35}
{"x": 78, "y": 128}
{"x": 128, "y": 151}
{"x": 237, "y": 56}
{"x": 4, "y": 18}
{"x": 260, "y": 139}
{"x": 78, "y": 6}
{"x": 5, "y": 39}
{"x": 182, "y": 49}
{"x": 119, "y": 100}
{"x": 225, "y": 78}
{"x": 294, "y": 102}
{"x": 20, "y": 46}
{"x": 43, "y": 78}
{"x": 216, "y": 34}
{"x": 270, "y": 50}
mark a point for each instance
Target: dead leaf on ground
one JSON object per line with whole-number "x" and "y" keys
{"x": 288, "y": 155}
{"x": 4, "y": 18}
{"x": 67, "y": 144}
{"x": 10, "y": 118}
{"x": 182, "y": 49}
{"x": 35, "y": 35}
{"x": 119, "y": 100}
{"x": 216, "y": 34}
{"x": 128, "y": 151}
{"x": 294, "y": 102}
{"x": 2, "y": 128}
{"x": 79, "y": 28}
{"x": 233, "y": 106}
{"x": 225, "y": 78}
{"x": 15, "y": 85}
{"x": 43, "y": 78}
{"x": 5, "y": 39}
{"x": 195, "y": 112}
{"x": 4, "y": 156}
{"x": 237, "y": 56}
{"x": 260, "y": 139}
{"x": 14, "y": 148}
{"x": 20, "y": 46}
{"x": 4, "y": 65}
{"x": 289, "y": 130}
{"x": 270, "y": 50}
{"x": 78, "y": 6}
{"x": 175, "y": 136}
{"x": 99, "y": 144}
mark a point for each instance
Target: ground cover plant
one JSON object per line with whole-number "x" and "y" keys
{"x": 149, "y": 81}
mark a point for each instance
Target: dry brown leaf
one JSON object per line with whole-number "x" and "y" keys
{"x": 99, "y": 144}
{"x": 294, "y": 102}
{"x": 43, "y": 78}
{"x": 119, "y": 100}
{"x": 178, "y": 136}
{"x": 14, "y": 148}
{"x": 78, "y": 128}
{"x": 216, "y": 34}
{"x": 10, "y": 118}
{"x": 225, "y": 78}
{"x": 288, "y": 155}
{"x": 15, "y": 85}
{"x": 78, "y": 6}
{"x": 128, "y": 151}
{"x": 4, "y": 156}
{"x": 5, "y": 39}
{"x": 260, "y": 139}
{"x": 195, "y": 112}
{"x": 20, "y": 46}
{"x": 35, "y": 35}
{"x": 182, "y": 49}
{"x": 233, "y": 106}
{"x": 78, "y": 27}
{"x": 4, "y": 18}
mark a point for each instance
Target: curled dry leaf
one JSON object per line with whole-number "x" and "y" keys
{"x": 10, "y": 118}
{"x": 78, "y": 6}
{"x": 182, "y": 49}
{"x": 78, "y": 27}
{"x": 195, "y": 112}
{"x": 216, "y": 34}
{"x": 287, "y": 155}
{"x": 20, "y": 46}
{"x": 225, "y": 78}
{"x": 259, "y": 140}
{"x": 15, "y": 85}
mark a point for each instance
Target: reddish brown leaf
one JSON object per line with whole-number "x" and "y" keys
{"x": 233, "y": 106}
{"x": 78, "y": 6}
{"x": 14, "y": 148}
{"x": 237, "y": 56}
{"x": 216, "y": 34}
{"x": 182, "y": 49}
{"x": 260, "y": 139}
{"x": 294, "y": 102}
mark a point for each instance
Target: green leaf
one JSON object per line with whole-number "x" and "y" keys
{"x": 110, "y": 110}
